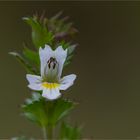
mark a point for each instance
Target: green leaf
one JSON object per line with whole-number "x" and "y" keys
{"x": 40, "y": 33}
{"x": 69, "y": 132}
{"x": 35, "y": 111}
{"x": 58, "y": 109}
{"x": 70, "y": 54}
{"x": 21, "y": 59}
{"x": 32, "y": 57}
{"x": 71, "y": 49}
{"x": 45, "y": 113}
{"x": 25, "y": 62}
{"x": 60, "y": 28}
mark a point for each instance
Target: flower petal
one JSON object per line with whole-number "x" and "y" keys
{"x": 60, "y": 55}
{"x": 33, "y": 78}
{"x": 45, "y": 55}
{"x": 36, "y": 87}
{"x": 51, "y": 94}
{"x": 67, "y": 81}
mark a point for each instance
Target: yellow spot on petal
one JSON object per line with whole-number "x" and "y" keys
{"x": 50, "y": 85}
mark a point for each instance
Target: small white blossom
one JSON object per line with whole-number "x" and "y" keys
{"x": 50, "y": 81}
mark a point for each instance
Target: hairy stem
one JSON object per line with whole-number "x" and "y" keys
{"x": 50, "y": 132}
{"x": 44, "y": 133}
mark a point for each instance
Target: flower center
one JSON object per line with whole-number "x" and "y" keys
{"x": 50, "y": 85}
{"x": 52, "y": 72}
{"x": 52, "y": 63}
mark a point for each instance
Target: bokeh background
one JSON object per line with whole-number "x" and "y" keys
{"x": 107, "y": 63}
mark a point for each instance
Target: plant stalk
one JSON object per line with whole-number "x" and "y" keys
{"x": 50, "y": 132}
{"x": 44, "y": 133}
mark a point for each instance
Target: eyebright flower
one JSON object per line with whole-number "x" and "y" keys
{"x": 50, "y": 81}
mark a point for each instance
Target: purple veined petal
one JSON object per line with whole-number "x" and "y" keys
{"x": 32, "y": 79}
{"x": 60, "y": 55}
{"x": 37, "y": 87}
{"x": 51, "y": 94}
{"x": 67, "y": 81}
{"x": 45, "y": 54}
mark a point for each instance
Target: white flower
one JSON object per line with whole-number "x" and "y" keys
{"x": 50, "y": 81}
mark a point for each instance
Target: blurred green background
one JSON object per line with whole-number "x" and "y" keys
{"x": 107, "y": 63}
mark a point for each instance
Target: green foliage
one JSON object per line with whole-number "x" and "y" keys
{"x": 69, "y": 132}
{"x": 23, "y": 61}
{"x": 51, "y": 31}
{"x": 58, "y": 109}
{"x": 70, "y": 54}
{"x": 45, "y": 112}
{"x": 54, "y": 31}
{"x": 29, "y": 60}
{"x": 31, "y": 56}
{"x": 60, "y": 27}
{"x": 40, "y": 33}
{"x": 35, "y": 112}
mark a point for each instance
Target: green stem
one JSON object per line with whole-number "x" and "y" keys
{"x": 44, "y": 133}
{"x": 50, "y": 132}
